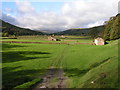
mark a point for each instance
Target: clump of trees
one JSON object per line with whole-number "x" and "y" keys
{"x": 112, "y": 28}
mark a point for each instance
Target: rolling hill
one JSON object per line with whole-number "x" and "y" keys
{"x": 83, "y": 32}
{"x": 112, "y": 27}
{"x": 14, "y": 30}
{"x": 108, "y": 31}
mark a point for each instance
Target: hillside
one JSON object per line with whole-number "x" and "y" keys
{"x": 83, "y": 32}
{"x": 108, "y": 31}
{"x": 14, "y": 30}
{"x": 112, "y": 27}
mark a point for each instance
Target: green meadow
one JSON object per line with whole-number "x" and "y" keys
{"x": 85, "y": 66}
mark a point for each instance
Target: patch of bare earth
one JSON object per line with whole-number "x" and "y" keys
{"x": 53, "y": 79}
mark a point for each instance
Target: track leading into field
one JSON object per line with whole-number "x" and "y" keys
{"x": 54, "y": 77}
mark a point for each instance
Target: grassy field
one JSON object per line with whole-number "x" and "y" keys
{"x": 86, "y": 66}
{"x": 68, "y": 39}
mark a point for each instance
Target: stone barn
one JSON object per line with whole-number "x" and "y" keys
{"x": 51, "y": 38}
{"x": 62, "y": 36}
{"x": 99, "y": 41}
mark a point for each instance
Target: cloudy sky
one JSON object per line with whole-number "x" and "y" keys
{"x": 58, "y": 15}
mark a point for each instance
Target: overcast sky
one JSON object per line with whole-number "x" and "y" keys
{"x": 58, "y": 16}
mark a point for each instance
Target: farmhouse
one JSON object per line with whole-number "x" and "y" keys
{"x": 99, "y": 41}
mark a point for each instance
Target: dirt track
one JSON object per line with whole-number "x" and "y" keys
{"x": 53, "y": 79}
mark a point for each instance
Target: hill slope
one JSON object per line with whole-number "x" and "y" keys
{"x": 14, "y": 30}
{"x": 112, "y": 27}
{"x": 83, "y": 32}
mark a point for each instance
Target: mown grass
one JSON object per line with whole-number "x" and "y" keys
{"x": 25, "y": 64}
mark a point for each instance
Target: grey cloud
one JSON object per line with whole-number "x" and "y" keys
{"x": 75, "y": 14}
{"x": 9, "y": 19}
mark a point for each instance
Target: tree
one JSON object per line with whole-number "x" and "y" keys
{"x": 112, "y": 27}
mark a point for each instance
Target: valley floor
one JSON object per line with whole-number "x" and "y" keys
{"x": 26, "y": 65}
